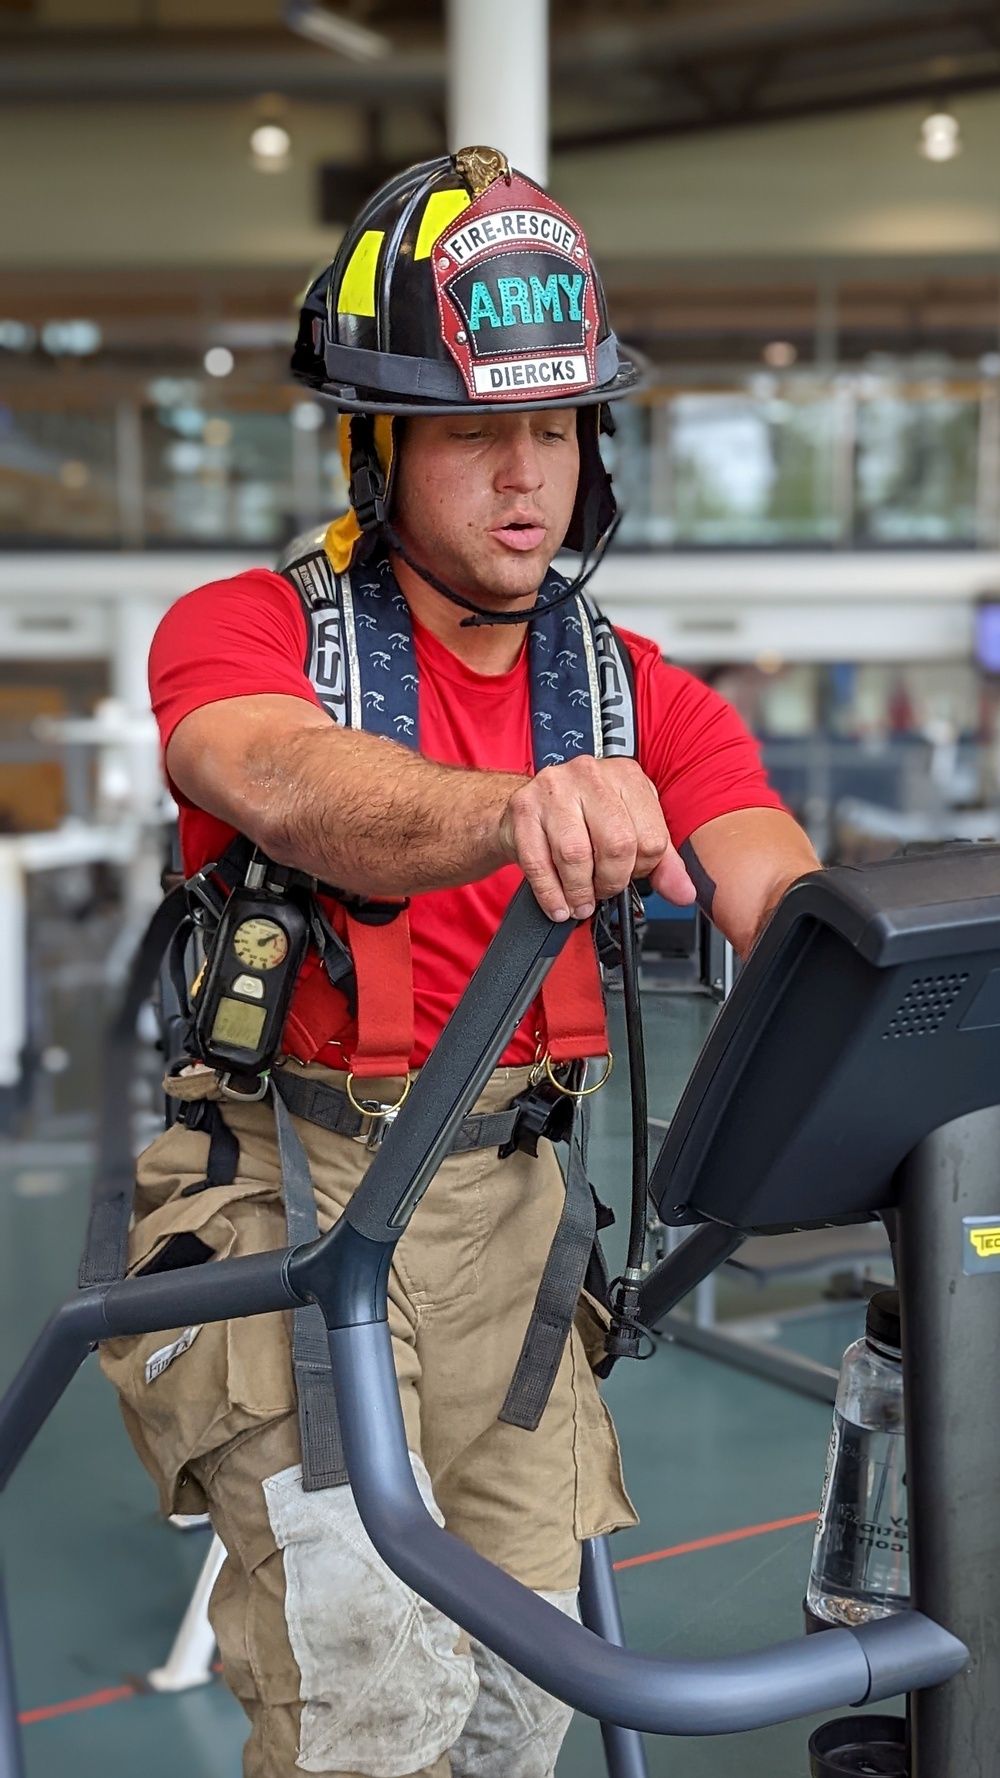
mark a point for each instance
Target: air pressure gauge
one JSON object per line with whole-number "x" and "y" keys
{"x": 260, "y": 943}
{"x": 253, "y": 965}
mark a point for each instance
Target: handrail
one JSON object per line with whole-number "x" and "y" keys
{"x": 347, "y": 1275}
{"x": 664, "y": 1697}
{"x": 346, "y": 1272}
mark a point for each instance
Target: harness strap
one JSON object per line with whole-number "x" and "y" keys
{"x": 223, "y": 1146}
{"x": 319, "y": 1429}
{"x": 331, "y": 1109}
{"x": 557, "y": 1297}
{"x": 573, "y": 1001}
{"x": 106, "y": 1250}
{"x": 383, "y": 967}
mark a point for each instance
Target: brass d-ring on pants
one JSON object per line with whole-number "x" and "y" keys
{"x": 340, "y": 1668}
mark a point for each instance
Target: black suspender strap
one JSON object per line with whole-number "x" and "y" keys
{"x": 319, "y": 1430}
{"x": 558, "y": 1293}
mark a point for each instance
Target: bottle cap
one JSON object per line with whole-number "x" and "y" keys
{"x": 854, "y": 1744}
{"x": 882, "y": 1320}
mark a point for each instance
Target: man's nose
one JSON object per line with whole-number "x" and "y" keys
{"x": 520, "y": 468}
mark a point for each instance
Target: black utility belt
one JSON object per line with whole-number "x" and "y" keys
{"x": 536, "y": 1112}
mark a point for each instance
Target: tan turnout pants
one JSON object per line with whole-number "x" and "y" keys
{"x": 340, "y": 1668}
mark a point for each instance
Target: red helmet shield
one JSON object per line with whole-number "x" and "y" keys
{"x": 516, "y": 296}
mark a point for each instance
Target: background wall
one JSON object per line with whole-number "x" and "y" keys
{"x": 850, "y": 185}
{"x": 166, "y": 184}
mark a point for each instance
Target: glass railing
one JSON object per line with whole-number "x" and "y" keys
{"x": 863, "y": 460}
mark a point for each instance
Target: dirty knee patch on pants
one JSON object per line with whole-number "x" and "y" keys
{"x": 384, "y": 1689}
{"x": 515, "y": 1729}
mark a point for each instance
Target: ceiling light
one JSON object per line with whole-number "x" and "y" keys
{"x": 333, "y": 31}
{"x": 218, "y": 433}
{"x": 218, "y": 361}
{"x": 307, "y": 416}
{"x": 16, "y": 336}
{"x": 185, "y": 457}
{"x": 940, "y": 137}
{"x": 270, "y": 146}
{"x": 71, "y": 339}
{"x": 779, "y": 354}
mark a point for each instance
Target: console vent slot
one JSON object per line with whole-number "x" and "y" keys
{"x": 925, "y": 1005}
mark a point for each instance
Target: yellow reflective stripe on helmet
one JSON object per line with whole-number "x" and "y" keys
{"x": 357, "y": 287}
{"x": 441, "y": 208}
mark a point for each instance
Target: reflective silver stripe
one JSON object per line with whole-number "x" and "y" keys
{"x": 314, "y": 579}
{"x": 593, "y": 680}
{"x": 617, "y": 705}
{"x": 346, "y": 602}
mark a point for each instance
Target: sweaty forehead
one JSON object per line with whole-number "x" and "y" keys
{"x": 428, "y": 433}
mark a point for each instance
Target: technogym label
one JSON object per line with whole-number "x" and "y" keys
{"x": 980, "y": 1244}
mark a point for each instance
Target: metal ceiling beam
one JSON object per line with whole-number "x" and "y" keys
{"x": 132, "y": 67}
{"x": 57, "y": 65}
{"x": 711, "y": 30}
{"x": 908, "y": 89}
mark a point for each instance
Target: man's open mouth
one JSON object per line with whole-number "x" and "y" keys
{"x": 519, "y": 534}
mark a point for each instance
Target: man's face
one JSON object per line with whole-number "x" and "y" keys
{"x": 484, "y": 500}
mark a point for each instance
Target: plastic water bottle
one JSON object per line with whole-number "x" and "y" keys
{"x": 861, "y": 1556}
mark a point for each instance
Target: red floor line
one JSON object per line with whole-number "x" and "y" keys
{"x": 720, "y": 1537}
{"x": 114, "y": 1694}
{"x": 118, "y": 1693}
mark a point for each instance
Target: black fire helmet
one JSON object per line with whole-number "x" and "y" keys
{"x": 462, "y": 287}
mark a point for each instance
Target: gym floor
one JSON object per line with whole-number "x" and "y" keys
{"x": 725, "y": 1471}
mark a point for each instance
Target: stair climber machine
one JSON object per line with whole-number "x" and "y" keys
{"x": 853, "y": 1073}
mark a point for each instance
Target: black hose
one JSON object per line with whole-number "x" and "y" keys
{"x": 636, "y": 1048}
{"x": 624, "y": 1337}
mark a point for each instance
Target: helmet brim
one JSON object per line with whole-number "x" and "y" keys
{"x": 635, "y": 374}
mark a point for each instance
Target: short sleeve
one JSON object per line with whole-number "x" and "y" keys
{"x": 693, "y": 745}
{"x": 230, "y": 639}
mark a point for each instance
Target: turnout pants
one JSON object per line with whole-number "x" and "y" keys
{"x": 339, "y": 1667}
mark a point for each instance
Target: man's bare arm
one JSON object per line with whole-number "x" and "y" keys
{"x": 742, "y": 864}
{"x": 378, "y": 819}
{"x": 355, "y": 809}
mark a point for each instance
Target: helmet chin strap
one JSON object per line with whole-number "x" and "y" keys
{"x": 480, "y": 616}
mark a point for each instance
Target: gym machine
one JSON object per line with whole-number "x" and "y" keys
{"x": 854, "y": 1072}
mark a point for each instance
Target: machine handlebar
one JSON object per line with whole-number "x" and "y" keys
{"x": 346, "y": 1273}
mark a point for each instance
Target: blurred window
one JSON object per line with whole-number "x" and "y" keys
{"x": 917, "y": 468}
{"x": 783, "y": 460}
{"x": 217, "y": 476}
{"x": 57, "y": 477}
{"x": 728, "y": 469}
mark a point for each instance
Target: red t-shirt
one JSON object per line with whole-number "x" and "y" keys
{"x": 245, "y": 636}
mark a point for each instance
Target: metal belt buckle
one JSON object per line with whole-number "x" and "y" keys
{"x": 228, "y": 1091}
{"x": 381, "y": 1116}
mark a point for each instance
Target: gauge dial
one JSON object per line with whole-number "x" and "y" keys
{"x": 260, "y": 944}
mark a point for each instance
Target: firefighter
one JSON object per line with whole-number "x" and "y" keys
{"x": 411, "y": 716}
